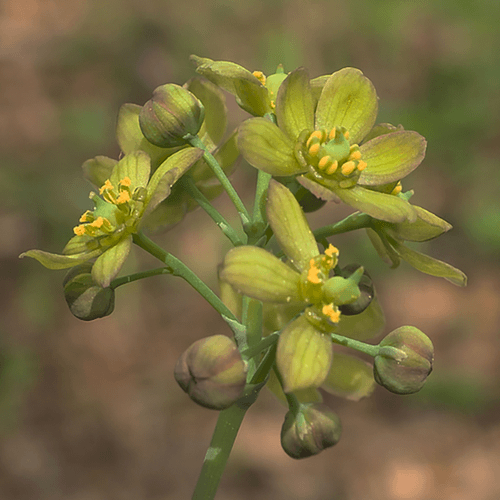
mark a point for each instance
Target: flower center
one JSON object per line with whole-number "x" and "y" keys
{"x": 311, "y": 287}
{"x": 118, "y": 209}
{"x": 330, "y": 155}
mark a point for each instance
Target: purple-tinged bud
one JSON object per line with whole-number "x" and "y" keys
{"x": 404, "y": 361}
{"x": 171, "y": 114}
{"x": 212, "y": 372}
{"x": 367, "y": 292}
{"x": 314, "y": 428}
{"x": 85, "y": 298}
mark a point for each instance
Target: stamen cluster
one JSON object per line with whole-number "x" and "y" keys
{"x": 330, "y": 154}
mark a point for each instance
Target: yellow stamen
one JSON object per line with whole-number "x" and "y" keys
{"x": 324, "y": 162}
{"x": 348, "y": 167}
{"x": 346, "y": 134}
{"x": 355, "y": 155}
{"x": 273, "y": 105}
{"x": 107, "y": 186}
{"x": 98, "y": 222}
{"x": 312, "y": 274}
{"x": 362, "y": 165}
{"x": 123, "y": 197}
{"x": 331, "y": 250}
{"x": 314, "y": 149}
{"x": 332, "y": 168}
{"x": 260, "y": 76}
{"x": 86, "y": 217}
{"x": 332, "y": 313}
{"x": 79, "y": 230}
{"x": 126, "y": 182}
{"x": 397, "y": 188}
{"x": 332, "y": 133}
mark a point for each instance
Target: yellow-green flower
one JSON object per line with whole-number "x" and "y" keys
{"x": 254, "y": 92}
{"x": 126, "y": 198}
{"x": 323, "y": 137}
{"x": 304, "y": 354}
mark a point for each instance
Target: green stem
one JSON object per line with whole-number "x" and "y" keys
{"x": 139, "y": 276}
{"x": 256, "y": 229}
{"x": 196, "y": 142}
{"x": 350, "y": 223}
{"x": 261, "y": 346}
{"x": 189, "y": 185}
{"x": 371, "y": 350}
{"x": 226, "y": 430}
{"x": 178, "y": 268}
{"x": 252, "y": 318}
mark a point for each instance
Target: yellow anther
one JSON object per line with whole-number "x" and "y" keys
{"x": 312, "y": 274}
{"x": 397, "y": 188}
{"x": 362, "y": 165}
{"x": 323, "y": 163}
{"x": 98, "y": 222}
{"x": 346, "y": 134}
{"x": 107, "y": 186}
{"x": 273, "y": 104}
{"x": 348, "y": 167}
{"x": 355, "y": 155}
{"x": 79, "y": 230}
{"x": 314, "y": 149}
{"x": 332, "y": 168}
{"x": 123, "y": 197}
{"x": 87, "y": 216}
{"x": 319, "y": 134}
{"x": 332, "y": 133}
{"x": 331, "y": 312}
{"x": 331, "y": 251}
{"x": 260, "y": 76}
{"x": 126, "y": 182}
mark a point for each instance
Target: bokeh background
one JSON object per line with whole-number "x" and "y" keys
{"x": 91, "y": 411}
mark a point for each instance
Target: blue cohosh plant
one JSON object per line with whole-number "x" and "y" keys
{"x": 288, "y": 302}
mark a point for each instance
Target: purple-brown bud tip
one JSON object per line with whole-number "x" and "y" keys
{"x": 405, "y": 360}
{"x": 171, "y": 114}
{"x": 212, "y": 372}
{"x": 85, "y": 298}
{"x": 313, "y": 429}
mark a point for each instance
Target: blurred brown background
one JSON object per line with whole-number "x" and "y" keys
{"x": 91, "y": 411}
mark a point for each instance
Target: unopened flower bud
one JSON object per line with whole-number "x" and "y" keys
{"x": 405, "y": 360}
{"x": 86, "y": 299}
{"x": 172, "y": 113}
{"x": 314, "y": 428}
{"x": 212, "y": 372}
{"x": 366, "y": 289}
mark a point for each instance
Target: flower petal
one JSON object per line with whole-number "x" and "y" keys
{"x": 363, "y": 326}
{"x": 304, "y": 356}
{"x": 136, "y": 166}
{"x": 167, "y": 174}
{"x": 57, "y": 261}
{"x": 107, "y": 266}
{"x": 251, "y": 95}
{"x": 381, "y": 129}
{"x": 267, "y": 148}
{"x": 97, "y": 170}
{"x": 257, "y": 273}
{"x": 310, "y": 395}
{"x": 348, "y": 100}
{"x": 349, "y": 377}
{"x": 294, "y": 105}
{"x": 429, "y": 265}
{"x": 290, "y": 226}
{"x": 427, "y": 227}
{"x": 381, "y": 206}
{"x": 390, "y": 157}
{"x": 383, "y": 248}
